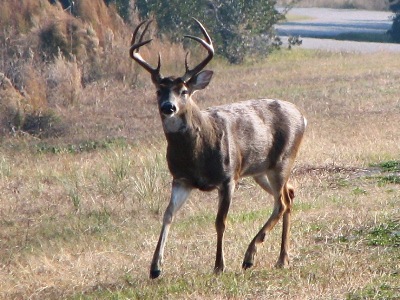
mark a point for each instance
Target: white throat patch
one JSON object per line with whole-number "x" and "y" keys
{"x": 173, "y": 124}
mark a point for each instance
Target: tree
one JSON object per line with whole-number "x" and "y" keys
{"x": 238, "y": 27}
{"x": 123, "y": 7}
{"x": 394, "y": 31}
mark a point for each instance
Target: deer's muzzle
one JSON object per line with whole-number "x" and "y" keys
{"x": 168, "y": 108}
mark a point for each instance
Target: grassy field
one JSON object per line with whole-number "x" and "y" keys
{"x": 81, "y": 220}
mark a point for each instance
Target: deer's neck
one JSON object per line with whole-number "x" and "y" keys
{"x": 194, "y": 152}
{"x": 192, "y": 126}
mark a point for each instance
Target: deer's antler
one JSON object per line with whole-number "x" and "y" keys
{"x": 135, "y": 55}
{"x": 207, "y": 44}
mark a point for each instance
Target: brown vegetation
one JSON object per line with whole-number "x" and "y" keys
{"x": 58, "y": 59}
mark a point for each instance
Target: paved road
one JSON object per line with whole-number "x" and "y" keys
{"x": 328, "y": 23}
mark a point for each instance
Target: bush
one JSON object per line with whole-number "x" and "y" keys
{"x": 42, "y": 125}
{"x": 123, "y": 7}
{"x": 19, "y": 114}
{"x": 394, "y": 31}
{"x": 235, "y": 25}
{"x": 63, "y": 80}
{"x": 62, "y": 37}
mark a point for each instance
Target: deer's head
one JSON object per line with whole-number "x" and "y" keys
{"x": 174, "y": 93}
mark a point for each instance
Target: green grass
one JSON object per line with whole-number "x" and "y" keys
{"x": 385, "y": 179}
{"x": 385, "y": 235}
{"x": 296, "y": 18}
{"x": 379, "y": 292}
{"x": 388, "y": 166}
{"x": 390, "y": 172}
{"x": 230, "y": 284}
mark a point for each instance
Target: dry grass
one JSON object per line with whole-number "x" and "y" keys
{"x": 72, "y": 66}
{"x": 80, "y": 220}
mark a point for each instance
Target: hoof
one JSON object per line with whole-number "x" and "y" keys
{"x": 247, "y": 265}
{"x": 155, "y": 273}
{"x": 282, "y": 264}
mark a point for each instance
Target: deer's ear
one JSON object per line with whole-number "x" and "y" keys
{"x": 200, "y": 80}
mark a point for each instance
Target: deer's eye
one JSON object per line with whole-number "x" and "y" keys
{"x": 158, "y": 93}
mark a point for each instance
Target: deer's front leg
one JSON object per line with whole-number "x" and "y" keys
{"x": 225, "y": 196}
{"x": 179, "y": 194}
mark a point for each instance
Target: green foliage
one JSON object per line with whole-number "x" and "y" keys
{"x": 383, "y": 291}
{"x": 389, "y": 166}
{"x": 64, "y": 3}
{"x": 392, "y": 167}
{"x": 122, "y": 6}
{"x": 382, "y": 180}
{"x": 385, "y": 235}
{"x": 359, "y": 191}
{"x": 238, "y": 27}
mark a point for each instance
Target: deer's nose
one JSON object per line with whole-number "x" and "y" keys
{"x": 168, "y": 108}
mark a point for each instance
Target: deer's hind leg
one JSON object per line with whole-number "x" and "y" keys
{"x": 274, "y": 183}
{"x": 288, "y": 195}
{"x": 262, "y": 181}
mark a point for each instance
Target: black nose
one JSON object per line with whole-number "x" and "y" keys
{"x": 168, "y": 108}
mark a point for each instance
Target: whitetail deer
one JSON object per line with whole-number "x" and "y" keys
{"x": 211, "y": 149}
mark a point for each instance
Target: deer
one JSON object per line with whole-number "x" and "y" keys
{"x": 212, "y": 149}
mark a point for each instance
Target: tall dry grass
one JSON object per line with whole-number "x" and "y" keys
{"x": 64, "y": 83}
{"x": 55, "y": 58}
{"x": 81, "y": 221}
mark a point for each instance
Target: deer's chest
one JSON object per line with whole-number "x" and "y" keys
{"x": 204, "y": 169}
{"x": 173, "y": 124}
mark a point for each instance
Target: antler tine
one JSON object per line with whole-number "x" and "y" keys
{"x": 207, "y": 44}
{"x": 145, "y": 30}
{"x": 186, "y": 62}
{"x": 135, "y": 47}
{"x": 135, "y": 55}
{"x": 204, "y": 31}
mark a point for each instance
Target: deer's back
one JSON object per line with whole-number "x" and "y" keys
{"x": 260, "y": 133}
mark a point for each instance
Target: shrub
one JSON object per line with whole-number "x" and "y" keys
{"x": 63, "y": 80}
{"x": 235, "y": 25}
{"x": 42, "y": 125}
{"x": 34, "y": 88}
{"x": 123, "y": 7}
{"x": 62, "y": 37}
{"x": 17, "y": 113}
{"x": 394, "y": 31}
